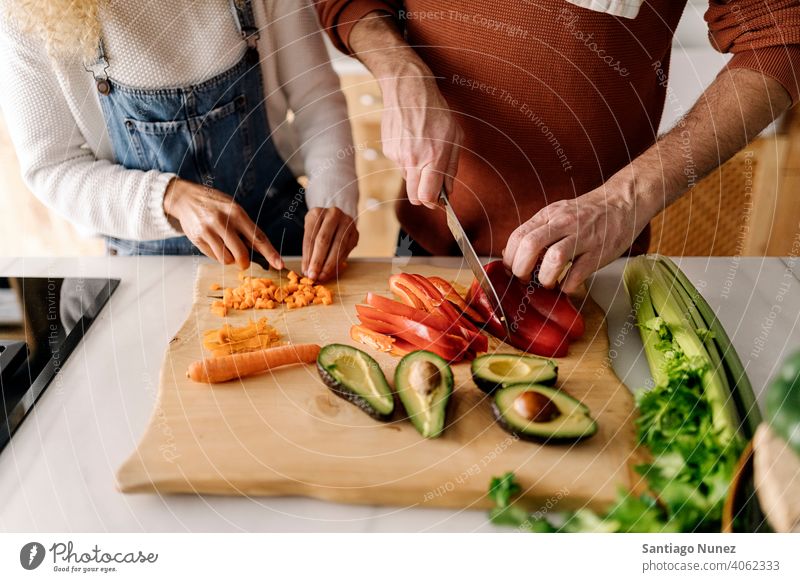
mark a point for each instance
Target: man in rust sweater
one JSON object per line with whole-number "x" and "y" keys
{"x": 541, "y": 116}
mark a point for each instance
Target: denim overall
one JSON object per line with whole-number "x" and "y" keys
{"x": 215, "y": 134}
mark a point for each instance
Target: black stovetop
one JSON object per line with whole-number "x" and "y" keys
{"x": 42, "y": 319}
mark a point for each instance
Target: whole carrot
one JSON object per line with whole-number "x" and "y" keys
{"x": 224, "y": 368}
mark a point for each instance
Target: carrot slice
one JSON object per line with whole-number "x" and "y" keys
{"x": 222, "y": 369}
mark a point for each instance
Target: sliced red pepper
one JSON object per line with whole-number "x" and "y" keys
{"x": 449, "y": 292}
{"x": 425, "y": 332}
{"x": 530, "y": 331}
{"x": 402, "y": 347}
{"x": 448, "y": 346}
{"x": 555, "y": 305}
{"x": 407, "y": 283}
{"x": 438, "y": 301}
{"x": 433, "y": 319}
{"x": 428, "y": 289}
{"x": 449, "y": 311}
{"x": 444, "y": 318}
{"x": 551, "y": 304}
{"x": 405, "y": 338}
{"x": 477, "y": 341}
{"x": 404, "y": 293}
{"x": 373, "y": 339}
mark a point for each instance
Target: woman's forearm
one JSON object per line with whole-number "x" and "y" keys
{"x": 321, "y": 120}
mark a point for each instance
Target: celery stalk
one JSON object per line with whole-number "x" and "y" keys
{"x": 741, "y": 389}
{"x": 695, "y": 320}
{"x": 668, "y": 304}
{"x": 638, "y": 285}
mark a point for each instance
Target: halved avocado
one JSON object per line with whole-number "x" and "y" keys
{"x": 541, "y": 413}
{"x": 424, "y": 383}
{"x": 356, "y": 377}
{"x": 494, "y": 371}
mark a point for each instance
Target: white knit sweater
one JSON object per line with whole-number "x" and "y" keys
{"x": 53, "y": 112}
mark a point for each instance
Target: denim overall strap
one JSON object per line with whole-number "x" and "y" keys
{"x": 215, "y": 133}
{"x": 246, "y": 21}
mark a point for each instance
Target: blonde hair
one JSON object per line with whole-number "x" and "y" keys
{"x": 67, "y": 27}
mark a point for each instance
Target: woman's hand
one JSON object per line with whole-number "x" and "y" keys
{"x": 217, "y": 225}
{"x": 590, "y": 231}
{"x": 329, "y": 236}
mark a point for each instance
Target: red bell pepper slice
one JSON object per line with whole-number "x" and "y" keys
{"x": 477, "y": 341}
{"x": 444, "y": 318}
{"x": 450, "y": 347}
{"x": 550, "y": 303}
{"x": 433, "y": 319}
{"x": 453, "y": 296}
{"x": 428, "y": 288}
{"x": 530, "y": 332}
{"x": 373, "y": 339}
{"x": 401, "y": 288}
{"x": 407, "y": 282}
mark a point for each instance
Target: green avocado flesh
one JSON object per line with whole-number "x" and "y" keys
{"x": 424, "y": 383}
{"x": 554, "y": 417}
{"x": 494, "y": 371}
{"x": 356, "y": 377}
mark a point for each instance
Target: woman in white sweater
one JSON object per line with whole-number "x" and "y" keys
{"x": 163, "y": 126}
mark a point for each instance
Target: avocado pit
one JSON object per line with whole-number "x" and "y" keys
{"x": 424, "y": 377}
{"x": 536, "y": 407}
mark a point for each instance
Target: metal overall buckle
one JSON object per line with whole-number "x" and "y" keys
{"x": 99, "y": 70}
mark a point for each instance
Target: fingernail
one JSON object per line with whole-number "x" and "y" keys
{"x": 312, "y": 274}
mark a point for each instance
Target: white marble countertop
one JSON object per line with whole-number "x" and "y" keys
{"x": 57, "y": 474}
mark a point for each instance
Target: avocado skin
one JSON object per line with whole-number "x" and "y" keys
{"x": 544, "y": 439}
{"x": 343, "y": 392}
{"x": 490, "y": 386}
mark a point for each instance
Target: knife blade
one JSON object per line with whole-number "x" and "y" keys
{"x": 471, "y": 257}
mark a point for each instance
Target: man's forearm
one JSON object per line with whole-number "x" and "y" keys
{"x": 418, "y": 130}
{"x": 731, "y": 112}
{"x": 378, "y": 43}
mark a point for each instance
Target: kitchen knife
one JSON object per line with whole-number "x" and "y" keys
{"x": 472, "y": 258}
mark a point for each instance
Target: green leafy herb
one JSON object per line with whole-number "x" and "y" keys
{"x": 503, "y": 491}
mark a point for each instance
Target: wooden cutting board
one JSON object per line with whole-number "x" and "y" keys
{"x": 285, "y": 433}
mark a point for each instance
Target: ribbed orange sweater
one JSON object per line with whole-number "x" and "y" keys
{"x": 553, "y": 98}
